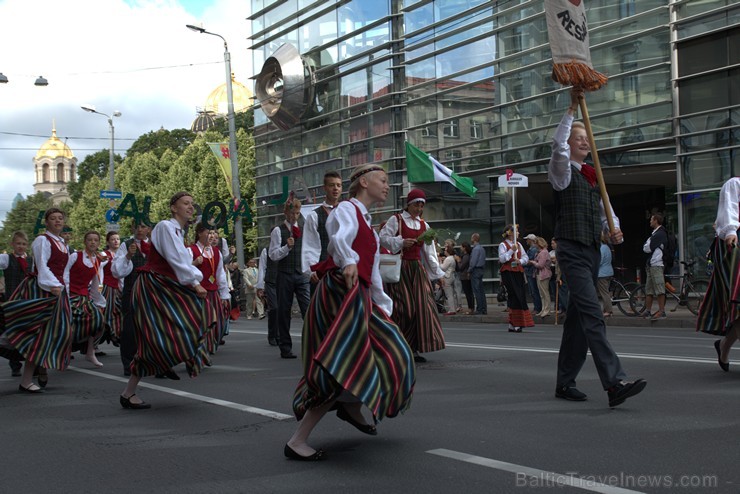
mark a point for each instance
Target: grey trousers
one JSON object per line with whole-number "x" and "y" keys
{"x": 584, "y": 328}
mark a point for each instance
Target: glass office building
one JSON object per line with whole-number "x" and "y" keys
{"x": 347, "y": 82}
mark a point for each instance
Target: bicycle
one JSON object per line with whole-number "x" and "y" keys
{"x": 690, "y": 294}
{"x": 621, "y": 293}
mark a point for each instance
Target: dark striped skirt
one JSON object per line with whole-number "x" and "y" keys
{"x": 87, "y": 319}
{"x": 516, "y": 299}
{"x": 211, "y": 321}
{"x": 719, "y": 309}
{"x": 350, "y": 344}
{"x": 113, "y": 315}
{"x": 414, "y": 309}
{"x": 168, "y": 323}
{"x": 37, "y": 325}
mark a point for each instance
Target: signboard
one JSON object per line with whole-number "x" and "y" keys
{"x": 111, "y": 194}
{"x": 111, "y": 216}
{"x": 112, "y": 227}
{"x": 512, "y": 179}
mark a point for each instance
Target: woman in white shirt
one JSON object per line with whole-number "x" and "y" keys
{"x": 415, "y": 310}
{"x": 168, "y": 304}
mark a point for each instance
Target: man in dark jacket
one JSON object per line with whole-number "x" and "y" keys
{"x": 655, "y": 281}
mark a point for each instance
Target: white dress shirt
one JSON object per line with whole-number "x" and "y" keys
{"x": 221, "y": 281}
{"x": 505, "y": 254}
{"x": 728, "y": 212}
{"x": 311, "y": 245}
{"x": 122, "y": 265}
{"x": 342, "y": 227}
{"x": 261, "y": 270}
{"x": 560, "y": 169}
{"x": 277, "y": 251}
{"x": 391, "y": 239}
{"x": 94, "y": 286}
{"x": 167, "y": 238}
{"x": 41, "y": 249}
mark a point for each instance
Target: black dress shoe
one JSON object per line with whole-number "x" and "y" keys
{"x": 366, "y": 428}
{"x": 289, "y": 453}
{"x": 569, "y": 393}
{"x": 288, "y": 355}
{"x": 29, "y": 389}
{"x": 272, "y": 341}
{"x": 126, "y": 403}
{"x": 419, "y": 359}
{"x": 725, "y": 366}
{"x": 623, "y": 390}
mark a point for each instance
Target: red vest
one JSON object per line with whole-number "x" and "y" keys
{"x": 412, "y": 253}
{"x": 208, "y": 267}
{"x": 108, "y": 278}
{"x": 80, "y": 276}
{"x": 364, "y": 244}
{"x": 514, "y": 258}
{"x": 155, "y": 263}
{"x": 57, "y": 260}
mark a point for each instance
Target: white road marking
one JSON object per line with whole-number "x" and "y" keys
{"x": 184, "y": 394}
{"x": 542, "y": 477}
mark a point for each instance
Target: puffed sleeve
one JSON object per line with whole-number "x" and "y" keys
{"x": 390, "y": 236}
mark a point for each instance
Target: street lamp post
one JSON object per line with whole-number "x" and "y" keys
{"x": 235, "y": 186}
{"x": 91, "y": 109}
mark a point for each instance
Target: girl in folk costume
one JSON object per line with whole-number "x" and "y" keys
{"x": 37, "y": 315}
{"x": 228, "y": 255}
{"x": 167, "y": 304}
{"x": 82, "y": 279}
{"x": 207, "y": 258}
{"x": 511, "y": 256}
{"x": 112, "y": 288}
{"x": 415, "y": 310}
{"x": 353, "y": 353}
{"x": 719, "y": 313}
{"x": 16, "y": 266}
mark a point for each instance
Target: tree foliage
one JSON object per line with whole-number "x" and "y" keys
{"x": 162, "y": 140}
{"x": 94, "y": 165}
{"x": 23, "y": 218}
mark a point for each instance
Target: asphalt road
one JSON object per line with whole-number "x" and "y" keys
{"x": 483, "y": 420}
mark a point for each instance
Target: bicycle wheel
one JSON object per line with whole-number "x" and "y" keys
{"x": 694, "y": 293}
{"x": 621, "y": 296}
{"x": 637, "y": 300}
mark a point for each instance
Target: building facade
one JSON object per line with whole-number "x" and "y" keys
{"x": 347, "y": 82}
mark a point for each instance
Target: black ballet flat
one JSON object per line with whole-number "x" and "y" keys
{"x": 366, "y": 428}
{"x": 28, "y": 389}
{"x": 289, "y": 453}
{"x": 126, "y": 403}
{"x": 170, "y": 374}
{"x": 725, "y": 366}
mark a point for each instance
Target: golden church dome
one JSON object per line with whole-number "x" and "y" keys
{"x": 218, "y": 103}
{"x": 54, "y": 148}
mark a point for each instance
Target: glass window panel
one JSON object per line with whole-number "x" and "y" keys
{"x": 318, "y": 32}
{"x": 357, "y": 14}
{"x": 702, "y": 54}
{"x": 704, "y": 93}
{"x": 419, "y": 18}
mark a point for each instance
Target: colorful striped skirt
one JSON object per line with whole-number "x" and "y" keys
{"x": 37, "y": 325}
{"x": 719, "y": 309}
{"x": 113, "y": 315}
{"x": 87, "y": 319}
{"x": 350, "y": 344}
{"x": 211, "y": 321}
{"x": 168, "y": 323}
{"x": 516, "y": 299}
{"x": 414, "y": 309}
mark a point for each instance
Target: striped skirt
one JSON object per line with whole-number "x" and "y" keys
{"x": 719, "y": 309}
{"x": 37, "y": 324}
{"x": 350, "y": 344}
{"x": 113, "y": 315}
{"x": 168, "y": 323}
{"x": 211, "y": 321}
{"x": 516, "y": 299}
{"x": 414, "y": 309}
{"x": 87, "y": 319}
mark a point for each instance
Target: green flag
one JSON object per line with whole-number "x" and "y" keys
{"x": 421, "y": 167}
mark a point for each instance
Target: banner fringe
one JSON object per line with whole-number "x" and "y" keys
{"x": 578, "y": 74}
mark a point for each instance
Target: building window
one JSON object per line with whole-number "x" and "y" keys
{"x": 429, "y": 130}
{"x": 452, "y": 128}
{"x": 45, "y": 173}
{"x": 476, "y": 130}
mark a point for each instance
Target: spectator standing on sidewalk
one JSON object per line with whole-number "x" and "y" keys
{"x": 477, "y": 263}
{"x": 655, "y": 281}
{"x": 530, "y": 273}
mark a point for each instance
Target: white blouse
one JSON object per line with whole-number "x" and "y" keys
{"x": 391, "y": 239}
{"x": 94, "y": 286}
{"x": 728, "y": 210}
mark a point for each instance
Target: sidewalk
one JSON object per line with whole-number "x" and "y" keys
{"x": 681, "y": 318}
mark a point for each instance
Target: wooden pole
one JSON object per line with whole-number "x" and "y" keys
{"x": 597, "y": 165}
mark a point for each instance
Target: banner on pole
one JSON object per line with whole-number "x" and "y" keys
{"x": 223, "y": 156}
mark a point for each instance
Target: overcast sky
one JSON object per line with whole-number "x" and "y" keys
{"x": 132, "y": 56}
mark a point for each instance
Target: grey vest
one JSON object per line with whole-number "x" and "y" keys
{"x": 137, "y": 260}
{"x": 292, "y": 262}
{"x": 577, "y": 214}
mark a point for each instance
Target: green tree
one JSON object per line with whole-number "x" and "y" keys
{"x": 94, "y": 165}
{"x": 88, "y": 213}
{"x": 23, "y": 218}
{"x": 161, "y": 140}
